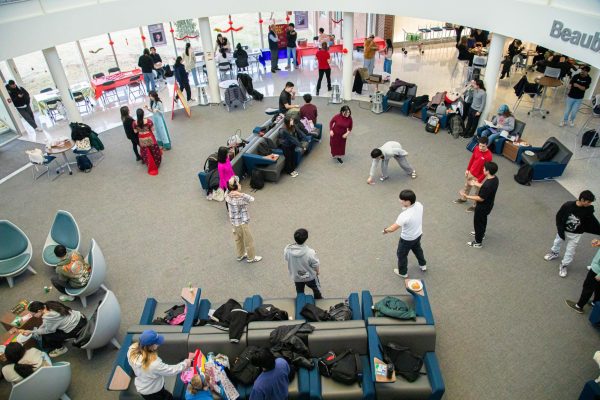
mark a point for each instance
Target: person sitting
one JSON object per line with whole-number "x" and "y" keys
{"x": 463, "y": 50}
{"x": 241, "y": 57}
{"x": 72, "y": 271}
{"x": 286, "y": 97}
{"x": 504, "y": 121}
{"x": 222, "y": 61}
{"x": 323, "y": 37}
{"x": 308, "y": 110}
{"x": 21, "y": 362}
{"x": 273, "y": 381}
{"x": 199, "y": 388}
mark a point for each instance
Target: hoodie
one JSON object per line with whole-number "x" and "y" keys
{"x": 151, "y": 380}
{"x": 53, "y": 321}
{"x": 573, "y": 219}
{"x": 303, "y": 263}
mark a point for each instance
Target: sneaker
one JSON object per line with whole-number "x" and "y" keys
{"x": 58, "y": 352}
{"x": 459, "y": 201}
{"x": 38, "y": 129}
{"x": 571, "y": 123}
{"x": 317, "y": 93}
{"x": 287, "y": 68}
{"x": 589, "y": 267}
{"x": 562, "y": 123}
{"x": 383, "y": 178}
{"x": 562, "y": 271}
{"x": 474, "y": 244}
{"x": 339, "y": 160}
{"x": 413, "y": 175}
{"x": 397, "y": 272}
{"x": 273, "y": 71}
{"x": 66, "y": 297}
{"x": 242, "y": 257}
{"x": 574, "y": 306}
{"x": 470, "y": 209}
{"x": 294, "y": 174}
{"x": 551, "y": 256}
{"x": 423, "y": 267}
{"x": 255, "y": 259}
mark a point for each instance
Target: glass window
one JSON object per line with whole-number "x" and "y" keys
{"x": 166, "y": 51}
{"x": 248, "y": 36}
{"x": 34, "y": 71}
{"x": 187, "y": 27}
{"x": 71, "y": 61}
{"x": 98, "y": 54}
{"x": 128, "y": 48}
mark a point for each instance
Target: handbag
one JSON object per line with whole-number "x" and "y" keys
{"x": 83, "y": 144}
{"x": 218, "y": 195}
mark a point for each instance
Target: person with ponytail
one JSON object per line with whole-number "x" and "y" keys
{"x": 151, "y": 153}
{"x": 59, "y": 323}
{"x": 160, "y": 126}
{"x": 189, "y": 61}
{"x": 129, "y": 132}
{"x": 21, "y": 362}
{"x": 149, "y": 369}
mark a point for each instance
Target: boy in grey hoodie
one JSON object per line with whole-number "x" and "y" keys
{"x": 303, "y": 264}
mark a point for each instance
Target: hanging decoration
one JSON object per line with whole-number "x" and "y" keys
{"x": 230, "y": 29}
{"x": 186, "y": 37}
{"x": 338, "y": 21}
{"x": 143, "y": 37}
{"x": 260, "y": 21}
{"x": 345, "y": 50}
{"x": 171, "y": 30}
{"x": 111, "y": 43}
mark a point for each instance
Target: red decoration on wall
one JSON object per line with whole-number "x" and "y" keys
{"x": 186, "y": 37}
{"x": 171, "y": 30}
{"x": 143, "y": 37}
{"x": 287, "y": 18}
{"x": 260, "y": 21}
{"x": 345, "y": 50}
{"x": 111, "y": 42}
{"x": 231, "y": 28}
{"x": 338, "y": 21}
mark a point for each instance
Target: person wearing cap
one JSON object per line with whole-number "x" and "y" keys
{"x": 370, "y": 50}
{"x": 504, "y": 121}
{"x": 149, "y": 369}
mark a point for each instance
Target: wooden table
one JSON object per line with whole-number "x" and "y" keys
{"x": 545, "y": 82}
{"x": 7, "y": 319}
{"x": 62, "y": 149}
{"x": 511, "y": 149}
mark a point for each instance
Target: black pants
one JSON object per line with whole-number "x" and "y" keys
{"x": 289, "y": 152}
{"x": 188, "y": 90}
{"x": 472, "y": 121}
{"x": 274, "y": 59}
{"x": 164, "y": 394}
{"x": 27, "y": 114}
{"x": 314, "y": 285}
{"x": 480, "y": 217}
{"x": 458, "y": 33}
{"x": 506, "y": 69}
{"x": 404, "y": 247}
{"x": 590, "y": 286}
{"x": 327, "y": 73}
{"x": 55, "y": 340}
{"x": 59, "y": 284}
{"x": 135, "y": 144}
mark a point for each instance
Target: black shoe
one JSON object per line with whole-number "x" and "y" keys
{"x": 274, "y": 71}
{"x": 317, "y": 93}
{"x": 138, "y": 158}
{"x": 339, "y": 160}
{"x": 329, "y": 89}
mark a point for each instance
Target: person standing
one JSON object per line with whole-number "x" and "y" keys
{"x": 151, "y": 153}
{"x": 303, "y": 264}
{"x": 224, "y": 167}
{"x": 181, "y": 76}
{"x": 383, "y": 155}
{"x": 237, "y": 206}
{"x": 286, "y": 97}
{"x": 160, "y": 126}
{"x": 573, "y": 220}
{"x": 458, "y": 30}
{"x": 222, "y": 43}
{"x": 476, "y": 108}
{"x": 369, "y": 53}
{"x": 484, "y": 201}
{"x": 149, "y": 368}
{"x": 474, "y": 171}
{"x": 146, "y": 63}
{"x": 411, "y": 222}
{"x": 189, "y": 61}
{"x": 273, "y": 381}
{"x": 591, "y": 284}
{"x": 129, "y": 132}
{"x": 158, "y": 64}
{"x": 340, "y": 128}
{"x": 291, "y": 36}
{"x": 274, "y": 49}
{"x": 578, "y": 85}
{"x": 323, "y": 58}
{"x": 21, "y": 100}
{"x": 389, "y": 53}
{"x": 289, "y": 143}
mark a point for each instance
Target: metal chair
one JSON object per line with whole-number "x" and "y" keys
{"x": 39, "y": 161}
{"x": 96, "y": 260}
{"x": 109, "y": 92}
{"x": 46, "y": 90}
{"x": 225, "y": 67}
{"x": 108, "y": 320}
{"x": 47, "y": 383}
{"x": 135, "y": 87}
{"x": 113, "y": 70}
{"x": 79, "y": 98}
{"x": 64, "y": 231}
{"x": 52, "y": 109}
{"x": 98, "y": 75}
{"x": 15, "y": 252}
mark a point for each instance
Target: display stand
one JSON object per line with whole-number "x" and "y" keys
{"x": 178, "y": 95}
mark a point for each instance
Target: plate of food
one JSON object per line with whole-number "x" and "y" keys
{"x": 529, "y": 153}
{"x": 414, "y": 285}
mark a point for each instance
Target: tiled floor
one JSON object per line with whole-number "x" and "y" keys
{"x": 434, "y": 70}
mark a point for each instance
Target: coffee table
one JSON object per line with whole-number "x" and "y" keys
{"x": 7, "y": 319}
{"x": 511, "y": 149}
{"x": 62, "y": 149}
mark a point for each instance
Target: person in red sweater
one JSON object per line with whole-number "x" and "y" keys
{"x": 324, "y": 67}
{"x": 480, "y": 156}
{"x": 308, "y": 110}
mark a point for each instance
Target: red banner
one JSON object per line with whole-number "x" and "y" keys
{"x": 281, "y": 31}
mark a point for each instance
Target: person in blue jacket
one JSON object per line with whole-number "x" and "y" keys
{"x": 181, "y": 76}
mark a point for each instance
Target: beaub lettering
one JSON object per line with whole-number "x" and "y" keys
{"x": 585, "y": 40}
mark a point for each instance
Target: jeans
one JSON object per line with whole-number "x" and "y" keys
{"x": 369, "y": 64}
{"x": 480, "y": 222}
{"x": 291, "y": 52}
{"x": 387, "y": 66}
{"x": 274, "y": 59}
{"x": 59, "y": 284}
{"x": 404, "y": 247}
{"x": 149, "y": 80}
{"x": 402, "y": 162}
{"x": 27, "y": 114}
{"x": 572, "y": 108}
{"x": 327, "y": 73}
{"x": 195, "y": 76}
{"x": 315, "y": 285}
{"x": 590, "y": 286}
{"x": 160, "y": 73}
{"x": 572, "y": 240}
{"x": 485, "y": 131}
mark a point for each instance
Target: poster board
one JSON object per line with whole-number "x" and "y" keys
{"x": 301, "y": 19}
{"x": 157, "y": 35}
{"x": 178, "y": 95}
{"x": 281, "y": 32}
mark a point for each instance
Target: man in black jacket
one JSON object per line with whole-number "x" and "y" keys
{"x": 573, "y": 220}
{"x": 146, "y": 63}
{"x": 20, "y": 98}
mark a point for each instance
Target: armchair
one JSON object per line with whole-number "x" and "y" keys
{"x": 518, "y": 131}
{"x": 546, "y": 169}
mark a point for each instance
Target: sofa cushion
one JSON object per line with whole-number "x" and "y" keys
{"x": 333, "y": 390}
{"x": 287, "y": 304}
{"x": 417, "y": 390}
{"x": 216, "y": 343}
{"x": 272, "y": 324}
{"x": 418, "y": 338}
{"x": 351, "y": 324}
{"x": 161, "y": 329}
{"x": 272, "y": 172}
{"x": 323, "y": 340}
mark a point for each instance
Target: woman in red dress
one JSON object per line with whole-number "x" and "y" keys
{"x": 150, "y": 152}
{"x": 339, "y": 129}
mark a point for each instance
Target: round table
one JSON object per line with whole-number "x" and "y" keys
{"x": 545, "y": 82}
{"x": 62, "y": 149}
{"x": 227, "y": 83}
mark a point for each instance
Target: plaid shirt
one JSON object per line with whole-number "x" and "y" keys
{"x": 238, "y": 208}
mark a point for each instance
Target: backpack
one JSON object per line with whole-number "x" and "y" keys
{"x": 313, "y": 313}
{"x": 234, "y": 96}
{"x": 433, "y": 124}
{"x": 84, "y": 163}
{"x": 242, "y": 369}
{"x": 176, "y": 314}
{"x": 548, "y": 151}
{"x": 441, "y": 109}
{"x": 456, "y": 126}
{"x": 524, "y": 175}
{"x": 340, "y": 312}
{"x": 589, "y": 138}
{"x": 257, "y": 180}
{"x": 168, "y": 71}
{"x": 268, "y": 312}
{"x": 345, "y": 368}
{"x": 211, "y": 162}
{"x": 405, "y": 362}
{"x": 418, "y": 103}
{"x": 265, "y": 147}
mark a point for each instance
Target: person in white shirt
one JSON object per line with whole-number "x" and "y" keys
{"x": 411, "y": 222}
{"x": 21, "y": 363}
{"x": 189, "y": 61}
{"x": 383, "y": 155}
{"x": 149, "y": 369}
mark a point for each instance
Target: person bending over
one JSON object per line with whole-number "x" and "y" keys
{"x": 383, "y": 155}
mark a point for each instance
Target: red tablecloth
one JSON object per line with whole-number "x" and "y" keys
{"x": 378, "y": 41}
{"x": 311, "y": 50}
{"x": 120, "y": 78}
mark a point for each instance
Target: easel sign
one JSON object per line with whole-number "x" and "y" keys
{"x": 178, "y": 95}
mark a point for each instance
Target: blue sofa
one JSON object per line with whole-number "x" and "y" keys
{"x": 416, "y": 301}
{"x": 546, "y": 169}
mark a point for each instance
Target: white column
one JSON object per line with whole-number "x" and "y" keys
{"x": 85, "y": 66}
{"x": 348, "y": 44}
{"x": 142, "y": 35}
{"x": 60, "y": 79}
{"x": 262, "y": 35}
{"x": 209, "y": 60}
{"x": 173, "y": 37}
{"x": 12, "y": 67}
{"x": 593, "y": 89}
{"x": 492, "y": 71}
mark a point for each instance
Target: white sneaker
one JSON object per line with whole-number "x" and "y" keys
{"x": 58, "y": 352}
{"x": 571, "y": 123}
{"x": 294, "y": 174}
{"x": 242, "y": 257}
{"x": 550, "y": 256}
{"x": 383, "y": 178}
{"x": 397, "y": 272}
{"x": 66, "y": 297}
{"x": 423, "y": 267}
{"x": 589, "y": 267}
{"x": 255, "y": 259}
{"x": 562, "y": 123}
{"x": 562, "y": 271}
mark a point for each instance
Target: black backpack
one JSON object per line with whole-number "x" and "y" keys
{"x": 524, "y": 175}
{"x": 548, "y": 151}
{"x": 268, "y": 312}
{"x": 418, "y": 103}
{"x": 456, "y": 126}
{"x": 168, "y": 71}
{"x": 211, "y": 162}
{"x": 406, "y": 363}
{"x": 257, "y": 180}
{"x": 242, "y": 369}
{"x": 84, "y": 163}
{"x": 340, "y": 312}
{"x": 590, "y": 138}
{"x": 313, "y": 313}
{"x": 345, "y": 368}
